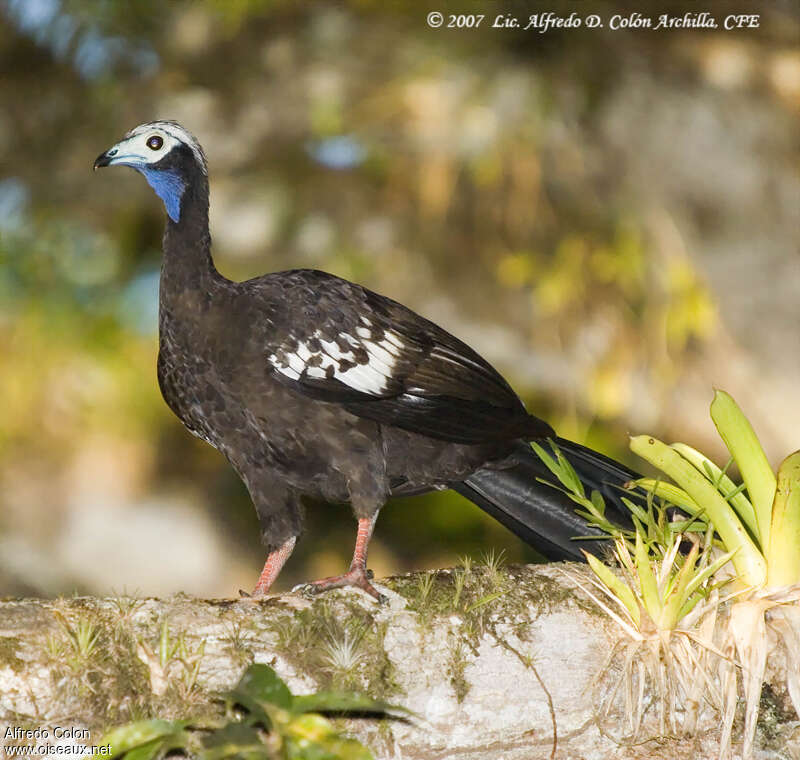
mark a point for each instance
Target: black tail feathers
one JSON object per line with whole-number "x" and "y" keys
{"x": 541, "y": 515}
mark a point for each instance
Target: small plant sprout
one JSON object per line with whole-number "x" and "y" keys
{"x": 494, "y": 563}
{"x": 591, "y": 508}
{"x": 82, "y": 638}
{"x": 126, "y": 603}
{"x": 657, "y": 594}
{"x": 459, "y": 579}
{"x": 238, "y": 644}
{"x": 171, "y": 654}
{"x": 424, "y": 586}
{"x": 342, "y": 653}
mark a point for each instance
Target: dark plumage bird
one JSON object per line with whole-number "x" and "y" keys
{"x": 311, "y": 385}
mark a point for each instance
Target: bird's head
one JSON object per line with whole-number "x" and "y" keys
{"x": 169, "y": 157}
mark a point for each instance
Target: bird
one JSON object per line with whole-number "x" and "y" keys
{"x": 313, "y": 386}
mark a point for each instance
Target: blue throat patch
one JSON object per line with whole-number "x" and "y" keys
{"x": 169, "y": 186}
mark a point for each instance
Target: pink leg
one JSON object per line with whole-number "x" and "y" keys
{"x": 275, "y": 561}
{"x": 357, "y": 574}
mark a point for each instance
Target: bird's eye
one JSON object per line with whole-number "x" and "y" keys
{"x": 154, "y": 142}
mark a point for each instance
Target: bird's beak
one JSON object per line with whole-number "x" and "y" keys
{"x": 118, "y": 154}
{"x": 102, "y": 160}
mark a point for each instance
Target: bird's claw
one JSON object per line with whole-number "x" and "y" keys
{"x": 358, "y": 577}
{"x": 305, "y": 589}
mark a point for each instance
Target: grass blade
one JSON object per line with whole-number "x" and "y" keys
{"x": 743, "y": 444}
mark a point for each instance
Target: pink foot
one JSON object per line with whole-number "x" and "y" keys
{"x": 355, "y": 576}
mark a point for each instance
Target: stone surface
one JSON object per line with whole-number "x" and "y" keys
{"x": 495, "y": 664}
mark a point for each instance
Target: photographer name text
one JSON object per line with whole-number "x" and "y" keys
{"x": 69, "y": 740}
{"x": 548, "y": 21}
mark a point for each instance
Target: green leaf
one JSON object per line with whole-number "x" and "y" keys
{"x": 617, "y": 587}
{"x": 669, "y": 493}
{"x": 165, "y": 651}
{"x": 561, "y": 468}
{"x": 147, "y": 751}
{"x": 748, "y": 561}
{"x": 232, "y": 734}
{"x": 568, "y": 475}
{"x": 743, "y": 444}
{"x": 488, "y": 599}
{"x": 312, "y": 737}
{"x": 732, "y": 493}
{"x": 235, "y": 740}
{"x": 261, "y": 683}
{"x": 341, "y": 702}
{"x": 678, "y": 594}
{"x": 707, "y": 572}
{"x": 638, "y": 514}
{"x": 783, "y": 558}
{"x": 143, "y": 732}
{"x": 548, "y": 460}
{"x": 647, "y": 579}
{"x": 598, "y": 501}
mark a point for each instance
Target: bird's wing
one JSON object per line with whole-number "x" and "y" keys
{"x": 345, "y": 344}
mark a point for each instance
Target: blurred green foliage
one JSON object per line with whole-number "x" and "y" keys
{"x": 447, "y": 170}
{"x": 263, "y": 720}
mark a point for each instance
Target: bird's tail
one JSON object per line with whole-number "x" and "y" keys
{"x": 541, "y": 515}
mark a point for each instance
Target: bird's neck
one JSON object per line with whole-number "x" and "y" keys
{"x": 187, "y": 243}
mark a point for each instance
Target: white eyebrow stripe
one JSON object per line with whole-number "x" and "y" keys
{"x": 177, "y": 132}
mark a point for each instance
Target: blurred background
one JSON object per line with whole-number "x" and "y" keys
{"x": 611, "y": 218}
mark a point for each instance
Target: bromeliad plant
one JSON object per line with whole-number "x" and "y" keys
{"x": 665, "y": 602}
{"x": 667, "y": 605}
{"x": 662, "y": 596}
{"x": 263, "y": 721}
{"x": 758, "y": 522}
{"x": 763, "y": 530}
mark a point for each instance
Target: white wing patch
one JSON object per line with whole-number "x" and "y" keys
{"x": 365, "y": 364}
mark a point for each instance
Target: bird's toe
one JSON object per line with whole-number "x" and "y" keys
{"x": 357, "y": 577}
{"x": 307, "y": 590}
